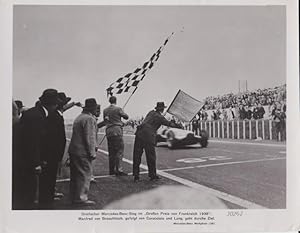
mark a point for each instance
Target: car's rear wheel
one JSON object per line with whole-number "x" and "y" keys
{"x": 170, "y": 139}
{"x": 204, "y": 138}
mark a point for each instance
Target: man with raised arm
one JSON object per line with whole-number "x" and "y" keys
{"x": 145, "y": 139}
{"x": 114, "y": 132}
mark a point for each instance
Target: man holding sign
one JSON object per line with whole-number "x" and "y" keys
{"x": 145, "y": 139}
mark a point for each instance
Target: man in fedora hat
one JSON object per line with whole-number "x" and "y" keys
{"x": 145, "y": 139}
{"x": 114, "y": 132}
{"x": 55, "y": 151}
{"x": 33, "y": 138}
{"x": 82, "y": 151}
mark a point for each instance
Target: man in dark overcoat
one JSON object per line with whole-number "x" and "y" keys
{"x": 56, "y": 138}
{"x": 33, "y": 142}
{"x": 16, "y": 176}
{"x": 145, "y": 139}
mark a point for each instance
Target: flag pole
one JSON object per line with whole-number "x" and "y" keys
{"x": 144, "y": 75}
{"x": 129, "y": 98}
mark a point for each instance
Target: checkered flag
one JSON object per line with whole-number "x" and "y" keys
{"x": 130, "y": 81}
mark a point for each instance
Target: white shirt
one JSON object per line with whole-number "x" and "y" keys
{"x": 59, "y": 112}
{"x": 45, "y": 110}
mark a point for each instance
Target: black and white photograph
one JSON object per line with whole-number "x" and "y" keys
{"x": 149, "y": 116}
{"x": 149, "y": 107}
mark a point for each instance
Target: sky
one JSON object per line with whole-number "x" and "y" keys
{"x": 81, "y": 50}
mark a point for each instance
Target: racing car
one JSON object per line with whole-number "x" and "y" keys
{"x": 176, "y": 138}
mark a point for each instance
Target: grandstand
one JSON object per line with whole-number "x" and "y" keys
{"x": 267, "y": 96}
{"x": 245, "y": 115}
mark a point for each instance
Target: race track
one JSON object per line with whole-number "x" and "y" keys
{"x": 243, "y": 174}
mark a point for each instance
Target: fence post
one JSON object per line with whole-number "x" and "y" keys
{"x": 263, "y": 128}
{"x": 212, "y": 126}
{"x": 227, "y": 131}
{"x": 223, "y": 129}
{"x": 256, "y": 128}
{"x": 244, "y": 129}
{"x": 232, "y": 129}
{"x": 270, "y": 129}
{"x": 250, "y": 129}
{"x": 238, "y": 129}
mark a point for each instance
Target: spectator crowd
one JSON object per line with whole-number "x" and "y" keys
{"x": 266, "y": 96}
{"x": 268, "y": 103}
{"x": 249, "y": 105}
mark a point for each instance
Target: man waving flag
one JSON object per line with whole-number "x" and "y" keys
{"x": 130, "y": 81}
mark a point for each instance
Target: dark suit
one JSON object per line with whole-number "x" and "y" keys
{"x": 248, "y": 114}
{"x": 145, "y": 139}
{"x": 243, "y": 113}
{"x": 279, "y": 118}
{"x": 32, "y": 142}
{"x": 16, "y": 176}
{"x": 260, "y": 112}
{"x": 55, "y": 147}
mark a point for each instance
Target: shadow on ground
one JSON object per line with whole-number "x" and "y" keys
{"x": 109, "y": 189}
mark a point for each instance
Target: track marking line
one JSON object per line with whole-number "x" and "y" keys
{"x": 239, "y": 162}
{"x": 176, "y": 169}
{"x": 248, "y": 143}
{"x": 222, "y": 195}
{"x": 229, "y": 151}
{"x": 225, "y": 196}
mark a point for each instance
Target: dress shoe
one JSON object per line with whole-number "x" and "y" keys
{"x": 136, "y": 179}
{"x": 155, "y": 178}
{"x": 121, "y": 174}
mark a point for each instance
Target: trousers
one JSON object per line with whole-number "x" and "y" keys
{"x": 280, "y": 127}
{"x": 81, "y": 173}
{"x": 115, "y": 153}
{"x": 139, "y": 146}
{"x": 24, "y": 189}
{"x": 47, "y": 183}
